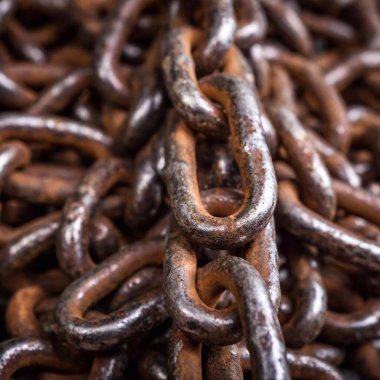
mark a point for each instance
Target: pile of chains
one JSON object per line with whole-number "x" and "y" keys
{"x": 189, "y": 189}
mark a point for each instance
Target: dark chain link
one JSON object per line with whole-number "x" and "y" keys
{"x": 189, "y": 189}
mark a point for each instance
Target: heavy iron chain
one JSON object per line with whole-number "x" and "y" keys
{"x": 189, "y": 189}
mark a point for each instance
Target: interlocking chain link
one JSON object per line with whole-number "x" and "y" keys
{"x": 189, "y": 189}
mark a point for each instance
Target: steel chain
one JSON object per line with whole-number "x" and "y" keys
{"x": 189, "y": 189}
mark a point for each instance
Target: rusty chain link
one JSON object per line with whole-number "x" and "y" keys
{"x": 189, "y": 189}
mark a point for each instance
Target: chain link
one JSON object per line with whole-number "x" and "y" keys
{"x": 189, "y": 189}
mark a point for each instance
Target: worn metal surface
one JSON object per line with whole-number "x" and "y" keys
{"x": 189, "y": 189}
